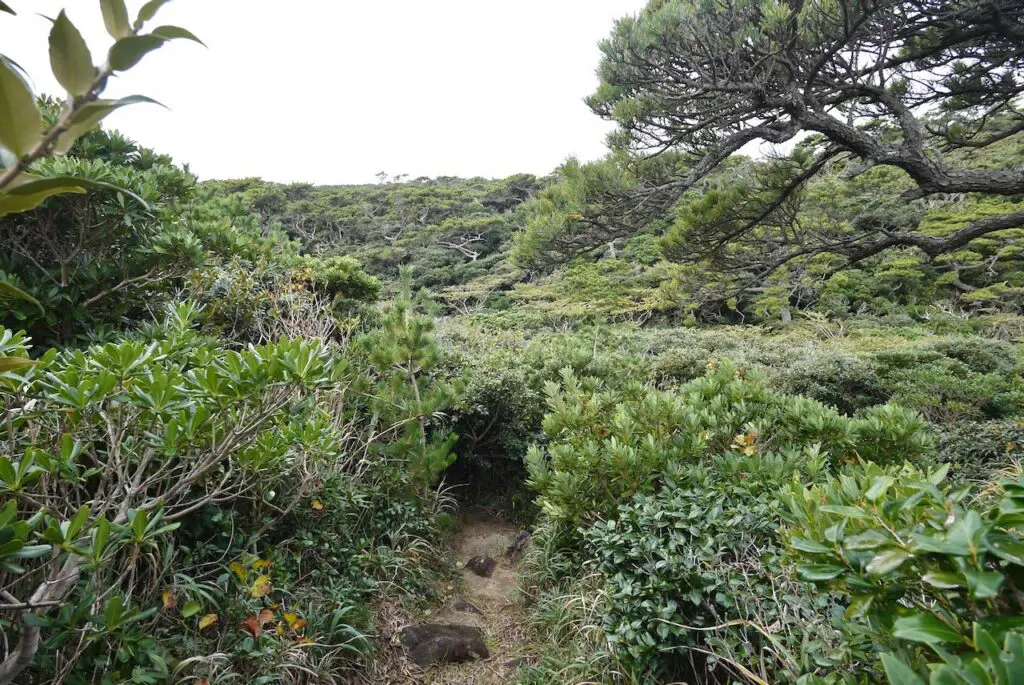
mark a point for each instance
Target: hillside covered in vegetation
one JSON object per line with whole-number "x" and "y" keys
{"x": 757, "y": 418}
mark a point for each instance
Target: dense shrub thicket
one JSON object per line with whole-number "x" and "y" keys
{"x": 653, "y": 462}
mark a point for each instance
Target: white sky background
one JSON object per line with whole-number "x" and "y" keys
{"x": 334, "y": 91}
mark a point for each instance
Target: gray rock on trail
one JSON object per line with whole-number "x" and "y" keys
{"x": 518, "y": 546}
{"x": 482, "y": 566}
{"x": 437, "y": 643}
{"x": 465, "y": 607}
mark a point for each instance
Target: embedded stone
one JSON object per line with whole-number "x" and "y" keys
{"x": 436, "y": 643}
{"x": 482, "y": 566}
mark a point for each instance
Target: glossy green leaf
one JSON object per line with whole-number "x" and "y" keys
{"x": 1007, "y": 549}
{"x": 173, "y": 32}
{"x": 859, "y": 605}
{"x": 33, "y": 551}
{"x": 1014, "y": 647}
{"x": 950, "y": 673}
{"x": 924, "y": 628}
{"x": 115, "y": 18}
{"x": 54, "y": 535}
{"x": 929, "y": 543}
{"x": 898, "y": 672}
{"x": 869, "y": 539}
{"x": 984, "y": 642}
{"x": 999, "y": 626}
{"x": 78, "y": 521}
{"x": 844, "y": 511}
{"x": 127, "y": 52}
{"x": 983, "y": 584}
{"x": 819, "y": 572}
{"x": 943, "y": 580}
{"x": 21, "y": 124}
{"x": 101, "y": 536}
{"x": 8, "y": 475}
{"x": 70, "y": 59}
{"x": 30, "y": 195}
{"x": 939, "y": 475}
{"x": 967, "y": 532}
{"x": 887, "y": 561}
{"x": 139, "y": 522}
{"x": 810, "y": 546}
{"x": 8, "y": 511}
{"x": 879, "y": 486}
{"x": 190, "y": 609}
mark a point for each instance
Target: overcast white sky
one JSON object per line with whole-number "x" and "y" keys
{"x": 334, "y": 91}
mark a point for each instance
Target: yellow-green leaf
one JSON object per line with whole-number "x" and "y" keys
{"x": 31, "y": 195}
{"x": 207, "y": 621}
{"x": 260, "y": 588}
{"x": 21, "y": 124}
{"x": 69, "y": 57}
{"x": 238, "y": 570}
{"x": 30, "y": 191}
{"x": 115, "y": 18}
{"x": 17, "y": 293}
{"x": 15, "y": 363}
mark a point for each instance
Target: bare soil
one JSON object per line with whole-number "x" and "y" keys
{"x": 500, "y": 615}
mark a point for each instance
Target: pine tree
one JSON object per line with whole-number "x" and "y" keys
{"x": 410, "y": 396}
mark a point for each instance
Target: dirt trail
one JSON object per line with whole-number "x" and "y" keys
{"x": 500, "y": 615}
{"x": 487, "y": 603}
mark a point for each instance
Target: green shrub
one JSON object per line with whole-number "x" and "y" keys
{"x": 888, "y": 433}
{"x": 924, "y": 572}
{"x": 124, "y": 442}
{"x": 672, "y": 496}
{"x": 977, "y": 449}
{"x": 981, "y": 355}
{"x": 691, "y": 587}
{"x": 944, "y": 388}
{"x": 604, "y": 446}
{"x": 680, "y": 365}
{"x": 202, "y": 495}
{"x": 837, "y": 378}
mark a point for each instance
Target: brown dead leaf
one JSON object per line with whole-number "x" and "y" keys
{"x": 253, "y": 626}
